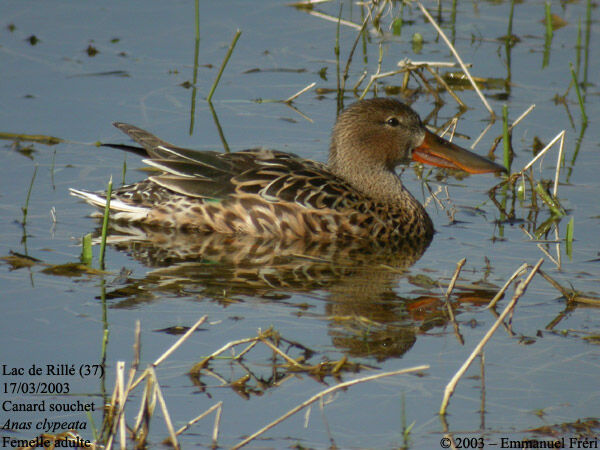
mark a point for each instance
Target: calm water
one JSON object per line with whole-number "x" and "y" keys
{"x": 543, "y": 373}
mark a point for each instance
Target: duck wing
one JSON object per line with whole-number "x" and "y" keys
{"x": 272, "y": 175}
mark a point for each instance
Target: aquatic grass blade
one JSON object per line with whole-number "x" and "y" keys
{"x": 26, "y": 207}
{"x": 549, "y": 31}
{"x": 225, "y": 61}
{"x": 569, "y": 237}
{"x": 506, "y": 138}
{"x": 105, "y": 223}
{"x": 548, "y": 40}
{"x": 584, "y": 118}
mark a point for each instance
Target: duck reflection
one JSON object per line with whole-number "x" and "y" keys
{"x": 359, "y": 278}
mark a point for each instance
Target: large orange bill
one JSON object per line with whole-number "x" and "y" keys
{"x": 439, "y": 152}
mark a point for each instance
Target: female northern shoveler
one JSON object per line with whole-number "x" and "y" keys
{"x": 271, "y": 193}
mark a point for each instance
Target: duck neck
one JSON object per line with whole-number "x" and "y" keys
{"x": 384, "y": 187}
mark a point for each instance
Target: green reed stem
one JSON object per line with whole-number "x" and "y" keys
{"x": 197, "y": 19}
{"x": 219, "y": 129}
{"x": 549, "y": 31}
{"x": 584, "y": 118}
{"x": 510, "y": 20}
{"x": 105, "y": 223}
{"x": 453, "y": 22}
{"x": 86, "y": 249}
{"x": 124, "y": 169}
{"x": 552, "y": 203}
{"x": 588, "y": 26}
{"x": 227, "y": 56}
{"x": 26, "y": 207}
{"x": 569, "y": 236}
{"x": 578, "y": 49}
{"x": 195, "y": 75}
{"x": 548, "y": 40}
{"x": 505, "y": 137}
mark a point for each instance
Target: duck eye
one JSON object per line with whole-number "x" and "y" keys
{"x": 392, "y": 122}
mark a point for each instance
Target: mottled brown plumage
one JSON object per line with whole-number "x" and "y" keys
{"x": 271, "y": 193}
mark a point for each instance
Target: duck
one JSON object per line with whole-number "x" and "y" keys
{"x": 274, "y": 194}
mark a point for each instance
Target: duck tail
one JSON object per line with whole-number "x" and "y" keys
{"x": 119, "y": 209}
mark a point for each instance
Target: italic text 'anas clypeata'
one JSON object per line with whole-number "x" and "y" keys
{"x": 275, "y": 194}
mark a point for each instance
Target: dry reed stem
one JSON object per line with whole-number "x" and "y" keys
{"x": 114, "y": 410}
{"x": 246, "y": 350}
{"x": 122, "y": 397}
{"x": 137, "y": 346}
{"x": 143, "y": 407}
{"x": 586, "y": 300}
{"x": 200, "y": 417}
{"x": 459, "y": 266}
{"x": 445, "y": 85}
{"x": 556, "y": 260}
{"x": 308, "y": 3}
{"x": 297, "y": 111}
{"x": 284, "y": 379}
{"x": 570, "y": 295}
{"x": 557, "y": 238}
{"x": 170, "y": 350}
{"x": 456, "y": 55}
{"x": 209, "y": 372}
{"x": 217, "y": 424}
{"x": 502, "y": 290}
{"x": 519, "y": 291}
{"x": 226, "y": 347}
{"x": 376, "y": 75}
{"x": 163, "y": 407}
{"x": 411, "y": 65}
{"x": 482, "y": 134}
{"x": 360, "y": 80}
{"x": 511, "y": 127}
{"x": 334, "y": 19}
{"x": 451, "y": 126}
{"x": 433, "y": 196}
{"x": 299, "y": 93}
{"x": 542, "y": 152}
{"x": 482, "y": 376}
{"x": 150, "y": 394}
{"x": 558, "y": 164}
{"x": 110, "y": 431}
{"x": 323, "y": 393}
{"x": 521, "y": 117}
{"x": 180, "y": 341}
{"x": 430, "y": 88}
{"x": 555, "y": 284}
{"x": 281, "y": 353}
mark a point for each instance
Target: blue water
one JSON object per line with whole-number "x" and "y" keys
{"x": 146, "y": 52}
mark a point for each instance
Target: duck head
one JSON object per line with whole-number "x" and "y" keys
{"x": 376, "y": 135}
